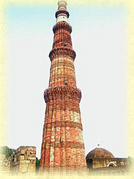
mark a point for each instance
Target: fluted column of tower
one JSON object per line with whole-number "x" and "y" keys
{"x": 62, "y": 142}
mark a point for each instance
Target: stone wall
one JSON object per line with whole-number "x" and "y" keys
{"x": 5, "y": 163}
{"x": 23, "y": 160}
{"x": 107, "y": 162}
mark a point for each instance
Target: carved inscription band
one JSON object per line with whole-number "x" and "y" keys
{"x": 62, "y": 64}
{"x": 62, "y": 76}
{"x": 65, "y": 144}
{"x": 60, "y": 105}
{"x": 63, "y": 124}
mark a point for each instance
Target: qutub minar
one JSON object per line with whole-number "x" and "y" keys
{"x": 62, "y": 142}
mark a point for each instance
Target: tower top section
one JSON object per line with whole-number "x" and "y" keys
{"x": 62, "y": 5}
{"x": 62, "y": 13}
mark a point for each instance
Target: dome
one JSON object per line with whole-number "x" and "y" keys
{"x": 99, "y": 152}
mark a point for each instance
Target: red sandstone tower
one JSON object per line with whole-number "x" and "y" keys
{"x": 62, "y": 143}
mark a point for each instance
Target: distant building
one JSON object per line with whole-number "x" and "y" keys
{"x": 23, "y": 160}
{"x": 102, "y": 160}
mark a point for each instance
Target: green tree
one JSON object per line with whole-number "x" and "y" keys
{"x": 37, "y": 164}
{"x": 6, "y": 151}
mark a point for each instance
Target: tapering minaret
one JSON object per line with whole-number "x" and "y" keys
{"x": 62, "y": 142}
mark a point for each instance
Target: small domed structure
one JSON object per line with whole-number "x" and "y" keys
{"x": 98, "y": 158}
{"x": 99, "y": 152}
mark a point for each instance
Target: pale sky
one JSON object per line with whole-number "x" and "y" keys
{"x": 99, "y": 38}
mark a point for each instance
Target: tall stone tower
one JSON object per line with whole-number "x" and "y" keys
{"x": 62, "y": 143}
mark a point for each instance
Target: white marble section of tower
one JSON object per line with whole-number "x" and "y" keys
{"x": 62, "y": 7}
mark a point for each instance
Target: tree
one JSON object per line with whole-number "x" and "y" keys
{"x": 131, "y": 160}
{"x": 6, "y": 151}
{"x": 37, "y": 164}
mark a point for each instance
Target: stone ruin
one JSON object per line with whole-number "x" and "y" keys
{"x": 22, "y": 160}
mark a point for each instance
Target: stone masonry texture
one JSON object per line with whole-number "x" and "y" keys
{"x": 62, "y": 140}
{"x": 23, "y": 160}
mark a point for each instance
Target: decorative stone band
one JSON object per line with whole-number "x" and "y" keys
{"x": 60, "y": 76}
{"x": 62, "y": 25}
{"x": 61, "y": 12}
{"x": 67, "y": 64}
{"x": 63, "y": 124}
{"x": 62, "y": 51}
{"x": 62, "y": 91}
{"x": 65, "y": 144}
